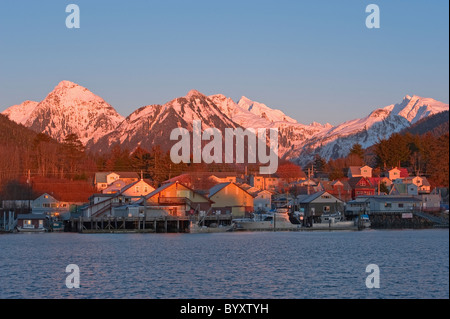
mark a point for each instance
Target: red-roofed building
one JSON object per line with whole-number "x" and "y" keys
{"x": 361, "y": 186}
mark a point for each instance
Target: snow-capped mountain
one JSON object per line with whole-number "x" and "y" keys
{"x": 20, "y": 113}
{"x": 381, "y": 123}
{"x": 414, "y": 108}
{"x": 151, "y": 125}
{"x": 69, "y": 108}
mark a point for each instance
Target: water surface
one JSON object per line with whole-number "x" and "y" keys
{"x": 274, "y": 265}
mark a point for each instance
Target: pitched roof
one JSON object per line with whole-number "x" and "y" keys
{"x": 167, "y": 185}
{"x": 100, "y": 177}
{"x": 217, "y": 188}
{"x": 355, "y": 170}
{"x": 355, "y": 180}
{"x": 160, "y": 189}
{"x": 309, "y": 198}
{"x": 306, "y": 199}
{"x": 134, "y": 183}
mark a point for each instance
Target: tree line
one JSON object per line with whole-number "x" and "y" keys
{"x": 424, "y": 155}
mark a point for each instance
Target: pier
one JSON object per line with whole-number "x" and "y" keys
{"x": 166, "y": 224}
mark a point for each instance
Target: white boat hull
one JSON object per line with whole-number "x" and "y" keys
{"x": 195, "y": 229}
{"x": 31, "y": 230}
{"x": 336, "y": 225}
{"x": 266, "y": 226}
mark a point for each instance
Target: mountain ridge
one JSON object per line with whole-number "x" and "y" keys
{"x": 71, "y": 108}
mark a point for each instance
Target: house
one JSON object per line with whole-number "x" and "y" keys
{"x": 338, "y": 188}
{"x": 137, "y": 189}
{"x": 114, "y": 187}
{"x": 354, "y": 208}
{"x": 175, "y": 199}
{"x": 357, "y": 171}
{"x": 48, "y": 205}
{"x": 315, "y": 205}
{"x": 421, "y": 182}
{"x": 262, "y": 200}
{"x": 32, "y": 222}
{"x": 229, "y": 198}
{"x": 404, "y": 189}
{"x": 361, "y": 186}
{"x": 431, "y": 202}
{"x": 267, "y": 182}
{"x": 393, "y": 174}
{"x": 104, "y": 204}
{"x": 103, "y": 179}
{"x": 392, "y": 204}
{"x": 203, "y": 180}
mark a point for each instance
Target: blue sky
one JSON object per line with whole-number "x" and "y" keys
{"x": 315, "y": 60}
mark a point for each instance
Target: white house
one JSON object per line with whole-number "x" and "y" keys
{"x": 357, "y": 171}
{"x": 48, "y": 205}
{"x": 136, "y": 189}
{"x": 394, "y": 174}
{"x": 262, "y": 200}
{"x": 103, "y": 179}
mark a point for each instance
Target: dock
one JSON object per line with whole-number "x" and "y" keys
{"x": 166, "y": 224}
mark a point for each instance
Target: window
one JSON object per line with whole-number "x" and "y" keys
{"x": 388, "y": 205}
{"x": 145, "y": 189}
{"x": 137, "y": 189}
{"x": 27, "y": 224}
{"x": 400, "y": 205}
{"x": 326, "y": 209}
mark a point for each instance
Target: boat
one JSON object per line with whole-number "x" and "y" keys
{"x": 270, "y": 221}
{"x": 31, "y": 229}
{"x": 57, "y": 225}
{"x": 334, "y": 221}
{"x": 195, "y": 228}
{"x": 363, "y": 221}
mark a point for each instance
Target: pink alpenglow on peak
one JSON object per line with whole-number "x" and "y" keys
{"x": 21, "y": 113}
{"x": 69, "y": 108}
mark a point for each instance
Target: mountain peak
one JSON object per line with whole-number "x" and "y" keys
{"x": 194, "y": 93}
{"x": 66, "y": 85}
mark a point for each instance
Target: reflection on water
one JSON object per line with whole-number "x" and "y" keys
{"x": 294, "y": 265}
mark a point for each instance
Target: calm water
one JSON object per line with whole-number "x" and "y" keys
{"x": 294, "y": 265}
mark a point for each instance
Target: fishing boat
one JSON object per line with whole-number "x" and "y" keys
{"x": 363, "y": 221}
{"x": 334, "y": 221}
{"x": 195, "y": 228}
{"x": 271, "y": 221}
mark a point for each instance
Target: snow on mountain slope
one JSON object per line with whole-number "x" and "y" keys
{"x": 264, "y": 111}
{"x": 381, "y": 123}
{"x": 70, "y": 108}
{"x": 151, "y": 125}
{"x": 20, "y": 113}
{"x": 416, "y": 108}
